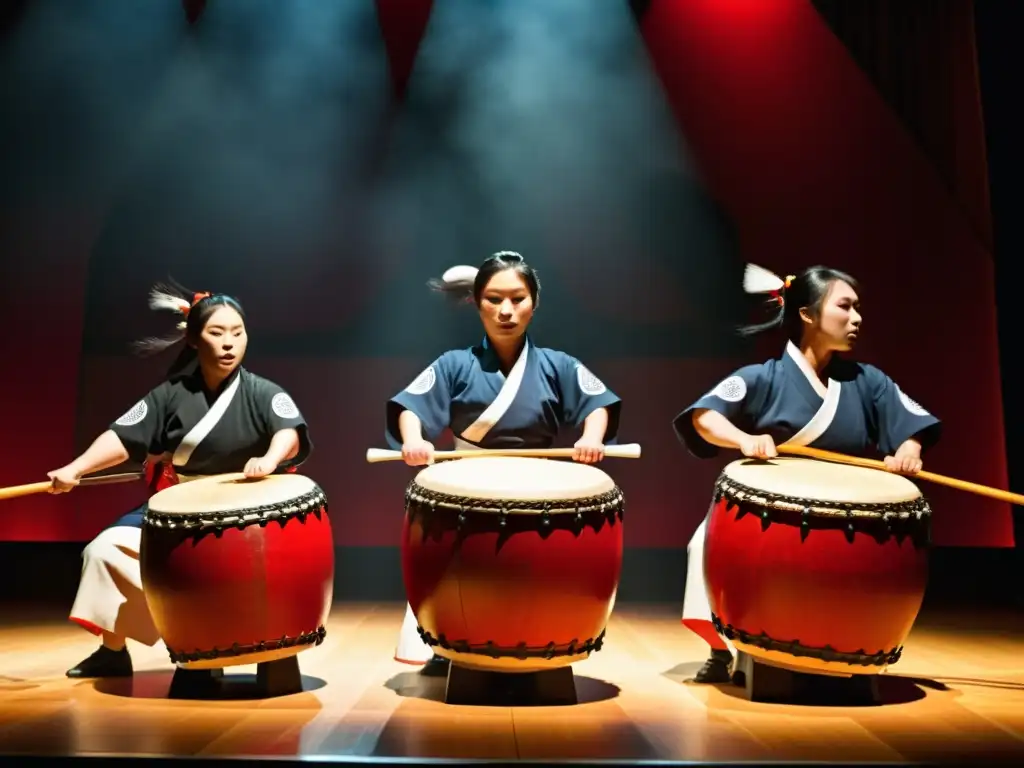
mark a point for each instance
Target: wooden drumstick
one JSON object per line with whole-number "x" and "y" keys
{"x": 952, "y": 482}
{"x": 628, "y": 451}
{"x": 14, "y": 491}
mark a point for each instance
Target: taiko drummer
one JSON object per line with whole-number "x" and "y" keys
{"x": 809, "y": 397}
{"x": 501, "y": 393}
{"x": 210, "y": 416}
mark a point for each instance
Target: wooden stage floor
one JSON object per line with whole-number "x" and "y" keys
{"x": 957, "y": 694}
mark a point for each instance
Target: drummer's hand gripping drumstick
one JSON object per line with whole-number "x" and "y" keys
{"x": 14, "y": 491}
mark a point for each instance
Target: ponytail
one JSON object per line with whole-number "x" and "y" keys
{"x": 466, "y": 284}
{"x": 172, "y": 297}
{"x": 457, "y": 283}
{"x": 193, "y": 310}
{"x": 787, "y": 297}
{"x": 758, "y": 280}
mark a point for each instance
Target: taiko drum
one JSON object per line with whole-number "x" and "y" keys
{"x": 238, "y": 571}
{"x": 815, "y": 566}
{"x": 512, "y": 564}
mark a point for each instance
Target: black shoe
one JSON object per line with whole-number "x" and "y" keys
{"x": 715, "y": 669}
{"x": 436, "y": 667}
{"x": 104, "y": 663}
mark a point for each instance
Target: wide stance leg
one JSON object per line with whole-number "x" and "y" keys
{"x": 697, "y": 613}
{"x": 110, "y": 602}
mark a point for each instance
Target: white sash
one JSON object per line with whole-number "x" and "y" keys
{"x": 821, "y": 420}
{"x": 199, "y": 432}
{"x": 478, "y": 430}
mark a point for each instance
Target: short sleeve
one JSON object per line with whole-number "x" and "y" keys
{"x": 429, "y": 396}
{"x": 141, "y": 427}
{"x": 582, "y": 393}
{"x": 898, "y": 416}
{"x": 737, "y": 397}
{"x": 278, "y": 411}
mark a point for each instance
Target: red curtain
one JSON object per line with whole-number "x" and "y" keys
{"x": 922, "y": 58}
{"x": 815, "y": 166}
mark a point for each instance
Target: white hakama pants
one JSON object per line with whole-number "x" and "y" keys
{"x": 110, "y": 597}
{"x": 411, "y": 648}
{"x": 696, "y": 605}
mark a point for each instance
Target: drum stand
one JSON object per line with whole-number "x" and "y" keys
{"x": 273, "y": 678}
{"x": 474, "y": 687}
{"x": 767, "y": 683}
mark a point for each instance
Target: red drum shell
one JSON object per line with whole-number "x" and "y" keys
{"x": 208, "y": 591}
{"x": 823, "y": 591}
{"x": 521, "y": 587}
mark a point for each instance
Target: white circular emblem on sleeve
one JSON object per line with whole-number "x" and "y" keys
{"x": 732, "y": 389}
{"x": 134, "y": 415}
{"x": 589, "y": 383}
{"x": 423, "y": 383}
{"x": 283, "y": 406}
{"x": 911, "y": 405}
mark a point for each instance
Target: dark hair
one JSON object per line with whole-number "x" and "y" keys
{"x": 196, "y": 307}
{"x": 463, "y": 284}
{"x": 808, "y": 289}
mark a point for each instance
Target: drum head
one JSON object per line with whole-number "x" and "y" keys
{"x": 226, "y": 493}
{"x": 513, "y": 478}
{"x": 822, "y": 481}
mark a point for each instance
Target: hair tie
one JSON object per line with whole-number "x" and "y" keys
{"x": 196, "y": 298}
{"x": 780, "y": 293}
{"x": 757, "y": 279}
{"x": 160, "y": 297}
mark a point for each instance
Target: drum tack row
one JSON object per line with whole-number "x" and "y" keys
{"x": 511, "y": 564}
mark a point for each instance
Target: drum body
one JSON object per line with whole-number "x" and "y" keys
{"x": 816, "y": 567}
{"x": 512, "y": 564}
{"x": 238, "y": 571}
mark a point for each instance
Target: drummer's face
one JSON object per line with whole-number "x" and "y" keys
{"x": 506, "y": 306}
{"x": 840, "y": 317}
{"x": 223, "y": 341}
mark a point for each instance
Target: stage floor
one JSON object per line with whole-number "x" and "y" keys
{"x": 957, "y": 693}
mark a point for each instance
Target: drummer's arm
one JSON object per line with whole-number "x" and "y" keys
{"x": 912, "y": 446}
{"x": 106, "y": 451}
{"x": 410, "y": 427}
{"x": 595, "y": 426}
{"x": 716, "y": 429}
{"x": 284, "y": 445}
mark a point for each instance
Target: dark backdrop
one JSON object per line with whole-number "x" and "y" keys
{"x": 322, "y": 159}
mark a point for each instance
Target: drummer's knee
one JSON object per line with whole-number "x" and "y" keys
{"x": 107, "y": 545}
{"x": 99, "y": 549}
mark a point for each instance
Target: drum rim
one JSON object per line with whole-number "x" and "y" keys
{"x": 799, "y": 461}
{"x": 311, "y": 502}
{"x": 521, "y": 651}
{"x": 795, "y": 648}
{"x": 314, "y": 638}
{"x": 613, "y": 500}
{"x": 726, "y": 487}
